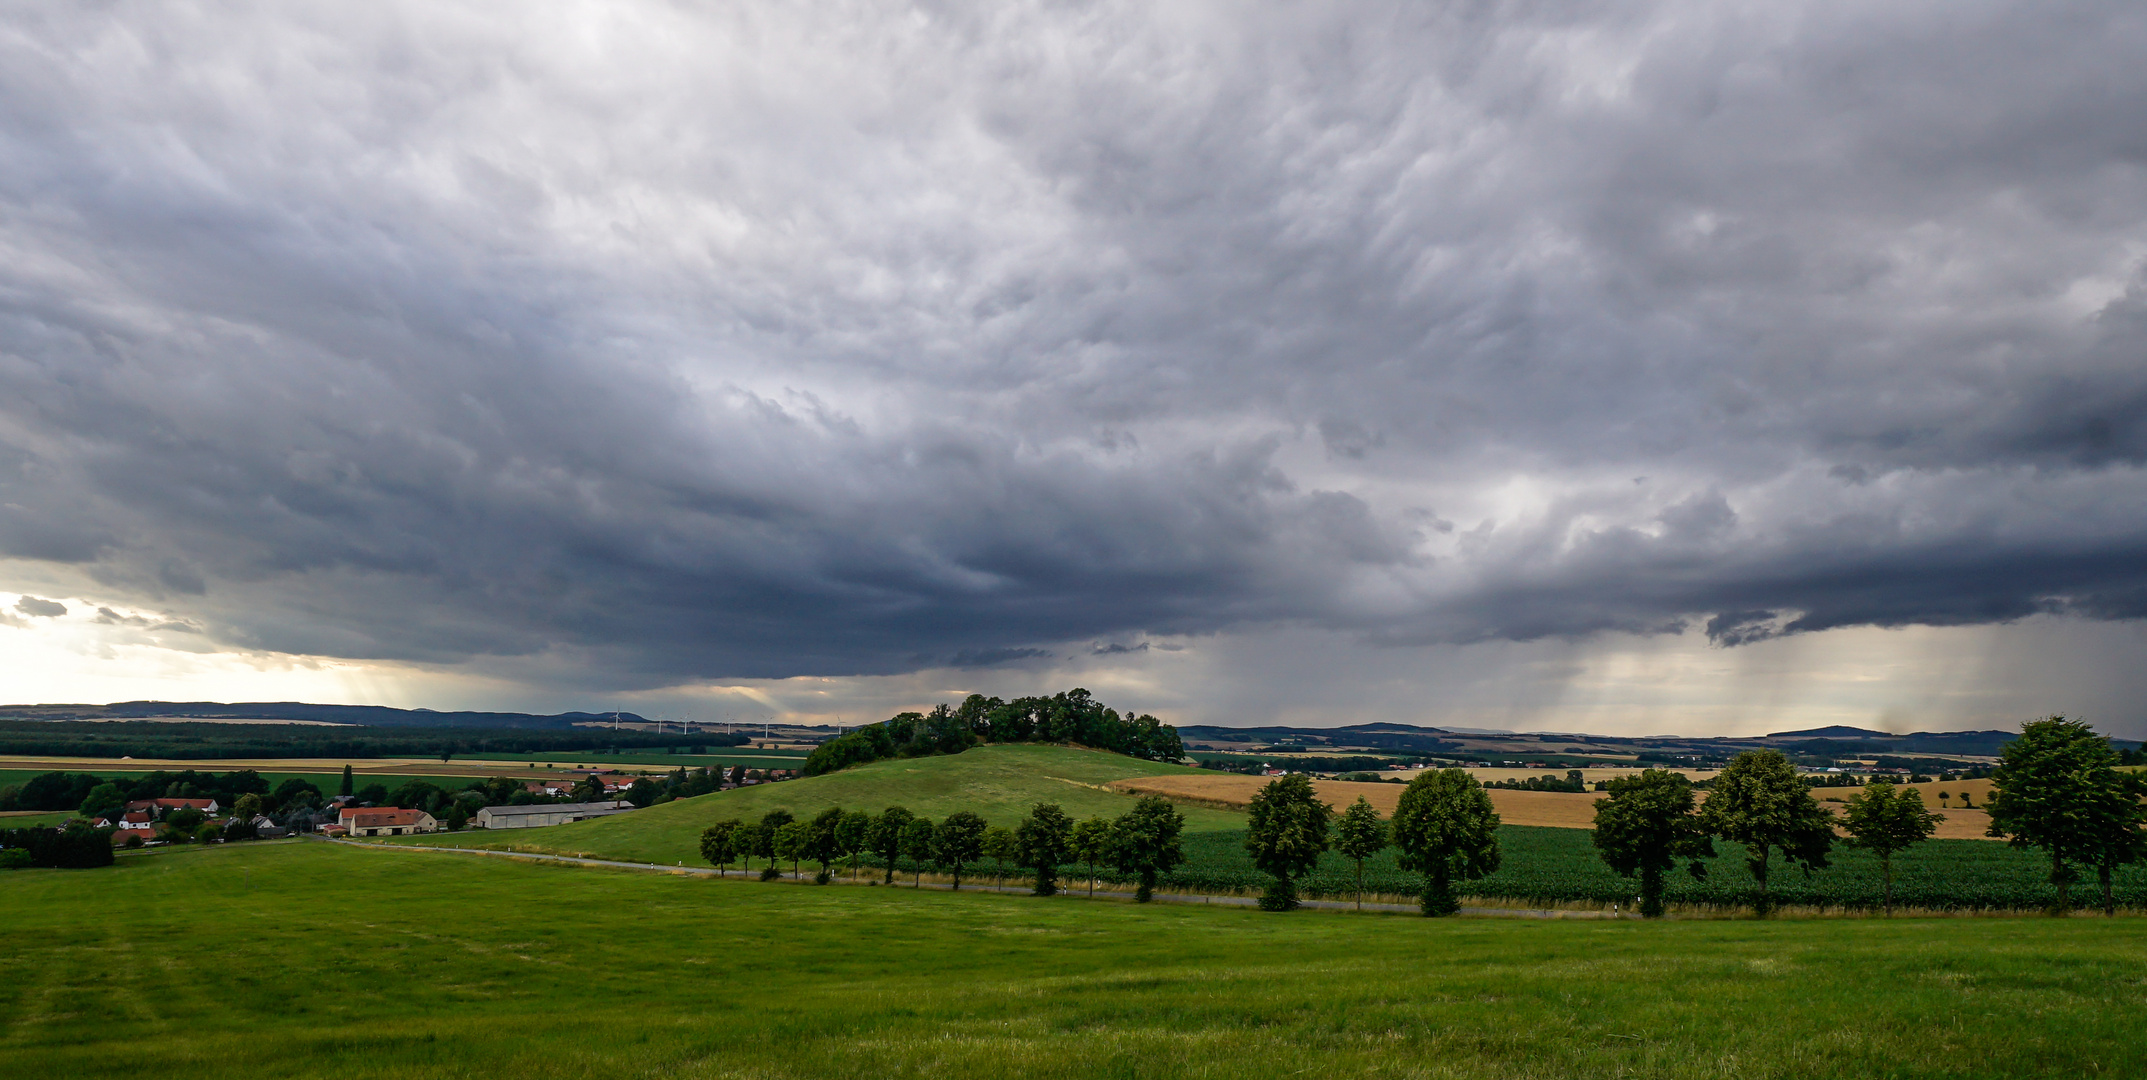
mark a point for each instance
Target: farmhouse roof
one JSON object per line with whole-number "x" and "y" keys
{"x": 558, "y": 808}
{"x": 171, "y": 804}
{"x": 381, "y": 817}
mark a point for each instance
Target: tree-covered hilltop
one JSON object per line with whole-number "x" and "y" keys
{"x": 1068, "y": 717}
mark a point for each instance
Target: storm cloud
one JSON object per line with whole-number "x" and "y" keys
{"x": 669, "y": 345}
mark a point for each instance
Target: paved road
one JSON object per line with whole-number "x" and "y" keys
{"x": 1166, "y": 898}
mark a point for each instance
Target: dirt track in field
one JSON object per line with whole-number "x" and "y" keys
{"x": 1555, "y": 809}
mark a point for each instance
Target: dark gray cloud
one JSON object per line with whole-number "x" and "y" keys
{"x": 668, "y": 346}
{"x": 40, "y": 607}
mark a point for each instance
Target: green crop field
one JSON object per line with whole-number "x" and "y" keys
{"x": 999, "y": 782}
{"x": 1542, "y": 865}
{"x": 220, "y": 962}
{"x": 328, "y": 780}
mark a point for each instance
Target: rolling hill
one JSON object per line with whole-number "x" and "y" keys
{"x": 1000, "y": 782}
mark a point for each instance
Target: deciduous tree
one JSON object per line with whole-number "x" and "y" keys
{"x": 919, "y": 846}
{"x": 1145, "y": 843}
{"x": 1041, "y": 842}
{"x": 722, "y": 842}
{"x": 824, "y": 843}
{"x": 1000, "y": 848}
{"x": 1358, "y": 835}
{"x": 958, "y": 841}
{"x": 1447, "y": 831}
{"x": 102, "y": 800}
{"x": 853, "y": 835}
{"x": 1286, "y": 829}
{"x": 885, "y": 838}
{"x": 794, "y": 841}
{"x": 1645, "y": 826}
{"x": 2057, "y": 788}
{"x": 1091, "y": 843}
{"x": 771, "y": 823}
{"x": 1884, "y": 819}
{"x": 1759, "y": 801}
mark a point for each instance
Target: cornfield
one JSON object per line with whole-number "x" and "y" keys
{"x": 1545, "y": 865}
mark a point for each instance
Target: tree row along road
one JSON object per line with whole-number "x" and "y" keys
{"x": 1553, "y": 809}
{"x": 1070, "y": 891}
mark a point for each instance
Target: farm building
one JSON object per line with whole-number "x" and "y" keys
{"x": 388, "y": 821}
{"x": 531, "y": 817}
{"x": 158, "y": 806}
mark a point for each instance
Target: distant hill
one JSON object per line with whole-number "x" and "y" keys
{"x": 360, "y": 715}
{"x": 1838, "y": 731}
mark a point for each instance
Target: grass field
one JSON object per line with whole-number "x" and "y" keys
{"x": 1542, "y": 865}
{"x": 1001, "y": 782}
{"x": 226, "y": 962}
{"x": 25, "y": 819}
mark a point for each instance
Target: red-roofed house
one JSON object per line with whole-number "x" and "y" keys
{"x": 387, "y": 821}
{"x": 206, "y": 806}
{"x": 140, "y": 820}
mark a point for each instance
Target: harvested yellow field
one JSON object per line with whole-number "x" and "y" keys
{"x": 1589, "y": 776}
{"x": 1557, "y": 809}
{"x": 1553, "y": 809}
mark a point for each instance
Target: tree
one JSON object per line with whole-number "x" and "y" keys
{"x": 1645, "y": 826}
{"x": 794, "y": 841}
{"x": 642, "y": 792}
{"x": 919, "y": 846}
{"x": 764, "y": 839}
{"x": 301, "y": 793}
{"x": 1042, "y": 841}
{"x": 958, "y": 841}
{"x": 418, "y": 795}
{"x": 2118, "y": 839}
{"x": 185, "y": 819}
{"x": 1145, "y": 843}
{"x": 1359, "y": 835}
{"x": 885, "y": 837}
{"x": 1090, "y": 842}
{"x": 589, "y": 788}
{"x": 102, "y": 800}
{"x": 825, "y": 845}
{"x": 1447, "y": 831}
{"x": 457, "y": 817}
{"x": 852, "y": 834}
{"x": 720, "y": 843}
{"x": 1883, "y": 819}
{"x": 1759, "y": 801}
{"x": 1286, "y": 830}
{"x": 2057, "y": 788}
{"x": 1000, "y": 848}
{"x": 247, "y": 808}
{"x": 345, "y": 789}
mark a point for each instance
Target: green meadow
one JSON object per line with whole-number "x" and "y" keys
{"x": 1541, "y": 866}
{"x": 302, "y": 959}
{"x": 1001, "y": 782}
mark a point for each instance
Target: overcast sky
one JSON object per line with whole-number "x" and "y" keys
{"x": 1627, "y": 366}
